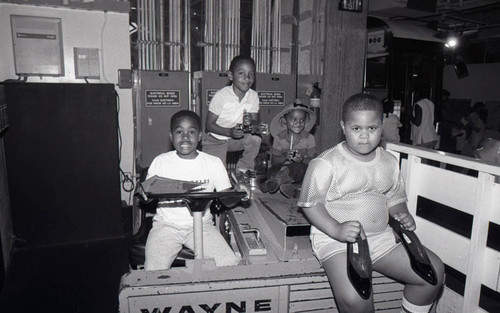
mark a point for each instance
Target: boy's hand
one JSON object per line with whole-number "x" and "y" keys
{"x": 348, "y": 231}
{"x": 297, "y": 157}
{"x": 201, "y": 188}
{"x": 237, "y": 131}
{"x": 245, "y": 188}
{"x": 142, "y": 194}
{"x": 406, "y": 220}
{"x": 294, "y": 155}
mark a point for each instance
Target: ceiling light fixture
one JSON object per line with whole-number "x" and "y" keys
{"x": 451, "y": 42}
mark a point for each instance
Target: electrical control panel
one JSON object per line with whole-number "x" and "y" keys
{"x": 86, "y": 62}
{"x": 275, "y": 91}
{"x": 157, "y": 95}
{"x": 205, "y": 85}
{"x": 38, "y": 47}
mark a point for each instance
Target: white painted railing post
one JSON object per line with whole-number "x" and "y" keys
{"x": 411, "y": 182}
{"x": 476, "y": 196}
{"x": 475, "y": 266}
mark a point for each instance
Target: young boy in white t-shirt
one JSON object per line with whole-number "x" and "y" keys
{"x": 173, "y": 222}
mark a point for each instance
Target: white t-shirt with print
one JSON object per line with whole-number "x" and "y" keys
{"x": 205, "y": 168}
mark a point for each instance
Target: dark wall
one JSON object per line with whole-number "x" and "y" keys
{"x": 62, "y": 160}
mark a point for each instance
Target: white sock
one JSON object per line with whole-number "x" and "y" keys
{"x": 407, "y": 307}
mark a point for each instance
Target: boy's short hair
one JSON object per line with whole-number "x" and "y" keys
{"x": 361, "y": 102}
{"x": 185, "y": 114}
{"x": 240, "y": 59}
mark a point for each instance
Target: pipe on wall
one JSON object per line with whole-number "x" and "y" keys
{"x": 151, "y": 42}
{"x": 222, "y": 34}
{"x": 266, "y": 35}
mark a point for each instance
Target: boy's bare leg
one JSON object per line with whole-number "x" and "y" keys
{"x": 396, "y": 265}
{"x": 346, "y": 297}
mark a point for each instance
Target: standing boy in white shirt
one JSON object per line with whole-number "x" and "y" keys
{"x": 232, "y": 105}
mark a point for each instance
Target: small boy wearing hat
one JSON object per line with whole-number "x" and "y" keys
{"x": 293, "y": 148}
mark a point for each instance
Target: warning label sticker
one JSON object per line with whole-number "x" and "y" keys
{"x": 210, "y": 94}
{"x": 170, "y": 98}
{"x": 271, "y": 97}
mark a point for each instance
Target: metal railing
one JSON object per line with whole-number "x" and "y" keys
{"x": 426, "y": 176}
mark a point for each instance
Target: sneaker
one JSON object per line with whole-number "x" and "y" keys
{"x": 271, "y": 185}
{"x": 263, "y": 188}
{"x": 283, "y": 172}
{"x": 242, "y": 170}
{"x": 274, "y": 183}
{"x": 289, "y": 191}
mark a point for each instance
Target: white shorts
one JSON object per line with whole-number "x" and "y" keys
{"x": 325, "y": 246}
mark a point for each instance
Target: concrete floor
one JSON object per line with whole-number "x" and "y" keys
{"x": 73, "y": 278}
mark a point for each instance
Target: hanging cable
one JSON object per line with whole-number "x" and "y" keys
{"x": 127, "y": 182}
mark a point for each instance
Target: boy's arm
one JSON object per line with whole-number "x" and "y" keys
{"x": 152, "y": 169}
{"x": 311, "y": 149}
{"x": 401, "y": 214}
{"x": 319, "y": 218}
{"x": 277, "y": 152}
{"x": 212, "y": 126}
{"x": 240, "y": 187}
{"x": 315, "y": 185}
{"x": 307, "y": 160}
{"x": 311, "y": 154}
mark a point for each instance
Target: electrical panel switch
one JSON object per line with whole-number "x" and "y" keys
{"x": 86, "y": 62}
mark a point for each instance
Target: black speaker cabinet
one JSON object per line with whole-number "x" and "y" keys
{"x": 61, "y": 151}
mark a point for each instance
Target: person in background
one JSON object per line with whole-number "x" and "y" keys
{"x": 475, "y": 127}
{"x": 445, "y": 106}
{"x": 173, "y": 222}
{"x": 423, "y": 132}
{"x": 293, "y": 148}
{"x": 448, "y": 130}
{"x": 229, "y": 108}
{"x": 351, "y": 190}
{"x": 391, "y": 123}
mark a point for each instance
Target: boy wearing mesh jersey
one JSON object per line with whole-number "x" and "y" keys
{"x": 354, "y": 187}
